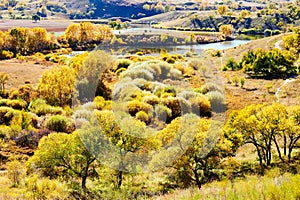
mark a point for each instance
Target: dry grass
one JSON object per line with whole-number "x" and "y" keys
{"x": 264, "y": 43}
{"x": 254, "y": 90}
{"x": 272, "y": 186}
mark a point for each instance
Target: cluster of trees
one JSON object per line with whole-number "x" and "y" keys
{"x": 272, "y": 63}
{"x": 292, "y": 42}
{"x": 26, "y": 41}
{"x": 86, "y": 34}
{"x": 265, "y": 127}
{"x": 170, "y": 127}
{"x": 69, "y": 155}
{"x": 265, "y": 63}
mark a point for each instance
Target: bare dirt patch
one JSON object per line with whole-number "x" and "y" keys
{"x": 49, "y": 25}
{"x": 20, "y": 72}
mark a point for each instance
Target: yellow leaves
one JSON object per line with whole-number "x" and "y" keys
{"x": 86, "y": 33}
{"x": 226, "y": 30}
{"x": 77, "y": 61}
{"x": 222, "y": 10}
{"x": 57, "y": 85}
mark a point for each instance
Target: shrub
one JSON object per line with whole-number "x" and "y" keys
{"x": 231, "y": 64}
{"x": 6, "y": 114}
{"x": 6, "y": 54}
{"x": 242, "y": 81}
{"x": 162, "y": 112}
{"x": 18, "y": 104}
{"x": 30, "y": 138}
{"x": 195, "y": 63}
{"x": 15, "y": 172}
{"x": 201, "y": 106}
{"x": 99, "y": 102}
{"x": 139, "y": 53}
{"x": 21, "y": 121}
{"x": 175, "y": 74}
{"x": 5, "y": 132}
{"x": 185, "y": 105}
{"x": 57, "y": 123}
{"x": 4, "y": 102}
{"x": 15, "y": 104}
{"x": 209, "y": 87}
{"x": 152, "y": 100}
{"x": 235, "y": 80}
{"x": 139, "y": 73}
{"x": 40, "y": 107}
{"x": 136, "y": 106}
{"x": 216, "y": 99}
{"x": 123, "y": 63}
{"x": 170, "y": 60}
{"x": 25, "y": 92}
{"x": 142, "y": 116}
{"x": 45, "y": 188}
{"x": 216, "y": 53}
{"x": 173, "y": 104}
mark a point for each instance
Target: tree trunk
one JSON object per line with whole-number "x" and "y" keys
{"x": 259, "y": 156}
{"x": 278, "y": 149}
{"x": 83, "y": 180}
{"x": 197, "y": 179}
{"x": 120, "y": 179}
{"x": 284, "y": 145}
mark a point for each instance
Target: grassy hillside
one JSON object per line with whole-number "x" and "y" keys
{"x": 272, "y": 186}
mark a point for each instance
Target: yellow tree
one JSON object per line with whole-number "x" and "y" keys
{"x": 91, "y": 75}
{"x": 40, "y": 39}
{"x": 57, "y": 86}
{"x": 244, "y": 13}
{"x": 18, "y": 40}
{"x": 62, "y": 154}
{"x": 73, "y": 34}
{"x": 3, "y": 80}
{"x": 222, "y": 10}
{"x": 264, "y": 126}
{"x": 226, "y": 30}
{"x": 199, "y": 149}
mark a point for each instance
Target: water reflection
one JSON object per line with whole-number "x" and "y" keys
{"x": 179, "y": 49}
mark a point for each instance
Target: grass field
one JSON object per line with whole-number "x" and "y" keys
{"x": 273, "y": 186}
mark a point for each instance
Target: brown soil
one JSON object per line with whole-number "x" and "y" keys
{"x": 50, "y": 25}
{"x": 20, "y": 71}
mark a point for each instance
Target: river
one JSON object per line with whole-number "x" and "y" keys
{"x": 155, "y": 50}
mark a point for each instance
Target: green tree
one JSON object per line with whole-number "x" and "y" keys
{"x": 36, "y": 18}
{"x": 274, "y": 63}
{"x": 129, "y": 142}
{"x": 62, "y": 154}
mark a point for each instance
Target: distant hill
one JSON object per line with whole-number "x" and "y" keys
{"x": 91, "y": 9}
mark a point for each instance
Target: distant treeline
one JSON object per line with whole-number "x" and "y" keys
{"x": 26, "y": 41}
